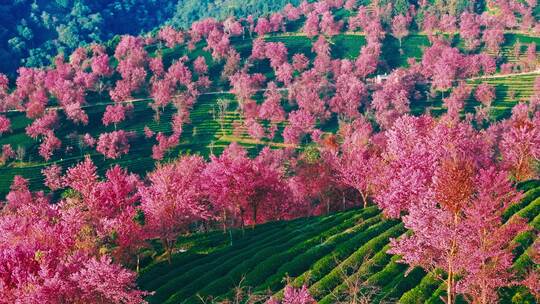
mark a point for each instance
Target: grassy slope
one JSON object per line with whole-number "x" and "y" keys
{"x": 321, "y": 250}
{"x": 204, "y": 134}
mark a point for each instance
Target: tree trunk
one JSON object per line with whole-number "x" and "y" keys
{"x": 327, "y": 201}
{"x": 484, "y": 299}
{"x": 450, "y": 299}
{"x": 225, "y": 227}
{"x": 242, "y": 221}
{"x": 138, "y": 262}
{"x": 364, "y": 199}
{"x": 168, "y": 249}
{"x": 224, "y": 221}
{"x": 449, "y": 285}
{"x": 254, "y": 217}
{"x": 169, "y": 255}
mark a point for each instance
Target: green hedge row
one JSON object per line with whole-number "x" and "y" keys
{"x": 326, "y": 284}
{"x": 218, "y": 265}
{"x": 215, "y": 283}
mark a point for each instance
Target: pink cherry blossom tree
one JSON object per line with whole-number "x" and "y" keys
{"x": 7, "y": 153}
{"x": 293, "y": 295}
{"x": 173, "y": 200}
{"x": 350, "y": 94}
{"x": 30, "y": 93}
{"x": 368, "y": 60}
{"x": 400, "y": 27}
{"x": 493, "y": 34}
{"x": 520, "y": 143}
{"x": 254, "y": 128}
{"x": 300, "y": 62}
{"x": 444, "y": 181}
{"x": 43, "y": 125}
{"x": 301, "y": 123}
{"x": 100, "y": 280}
{"x": 148, "y": 133}
{"x": 164, "y": 144}
{"x": 263, "y": 27}
{"x": 271, "y": 108}
{"x": 448, "y": 23}
{"x": 101, "y": 66}
{"x": 284, "y": 73}
{"x": 50, "y": 144}
{"x": 276, "y": 52}
{"x": 218, "y": 43}
{"x": 394, "y": 97}
{"x": 469, "y": 30}
{"x": 46, "y": 258}
{"x": 329, "y": 26}
{"x": 200, "y": 66}
{"x": 485, "y": 93}
{"x": 156, "y": 66}
{"x": 82, "y": 177}
{"x": 306, "y": 92}
{"x": 53, "y": 177}
{"x": 114, "y": 114}
{"x": 5, "y": 124}
{"x": 292, "y": 13}
{"x": 455, "y": 103}
{"x": 358, "y": 163}
{"x": 170, "y": 36}
{"x": 232, "y": 64}
{"x": 245, "y": 85}
{"x": 311, "y": 26}
{"x": 457, "y": 234}
{"x": 246, "y": 191}
{"x": 277, "y": 22}
{"x": 233, "y": 27}
{"x": 314, "y": 185}
{"x": 113, "y": 144}
{"x": 132, "y": 61}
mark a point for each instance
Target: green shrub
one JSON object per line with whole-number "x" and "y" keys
{"x": 303, "y": 261}
{"x": 377, "y": 241}
{"x": 401, "y": 284}
{"x": 528, "y": 197}
{"x": 422, "y": 291}
{"x": 214, "y": 272}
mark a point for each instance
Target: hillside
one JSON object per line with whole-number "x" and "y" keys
{"x": 203, "y": 135}
{"x": 327, "y": 252}
{"x": 346, "y": 152}
{"x": 33, "y": 32}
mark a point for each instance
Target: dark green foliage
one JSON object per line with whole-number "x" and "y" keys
{"x": 33, "y": 32}
{"x": 192, "y": 10}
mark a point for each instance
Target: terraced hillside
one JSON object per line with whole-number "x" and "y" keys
{"x": 204, "y": 134}
{"x": 325, "y": 252}
{"x": 368, "y": 151}
{"x": 509, "y": 90}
